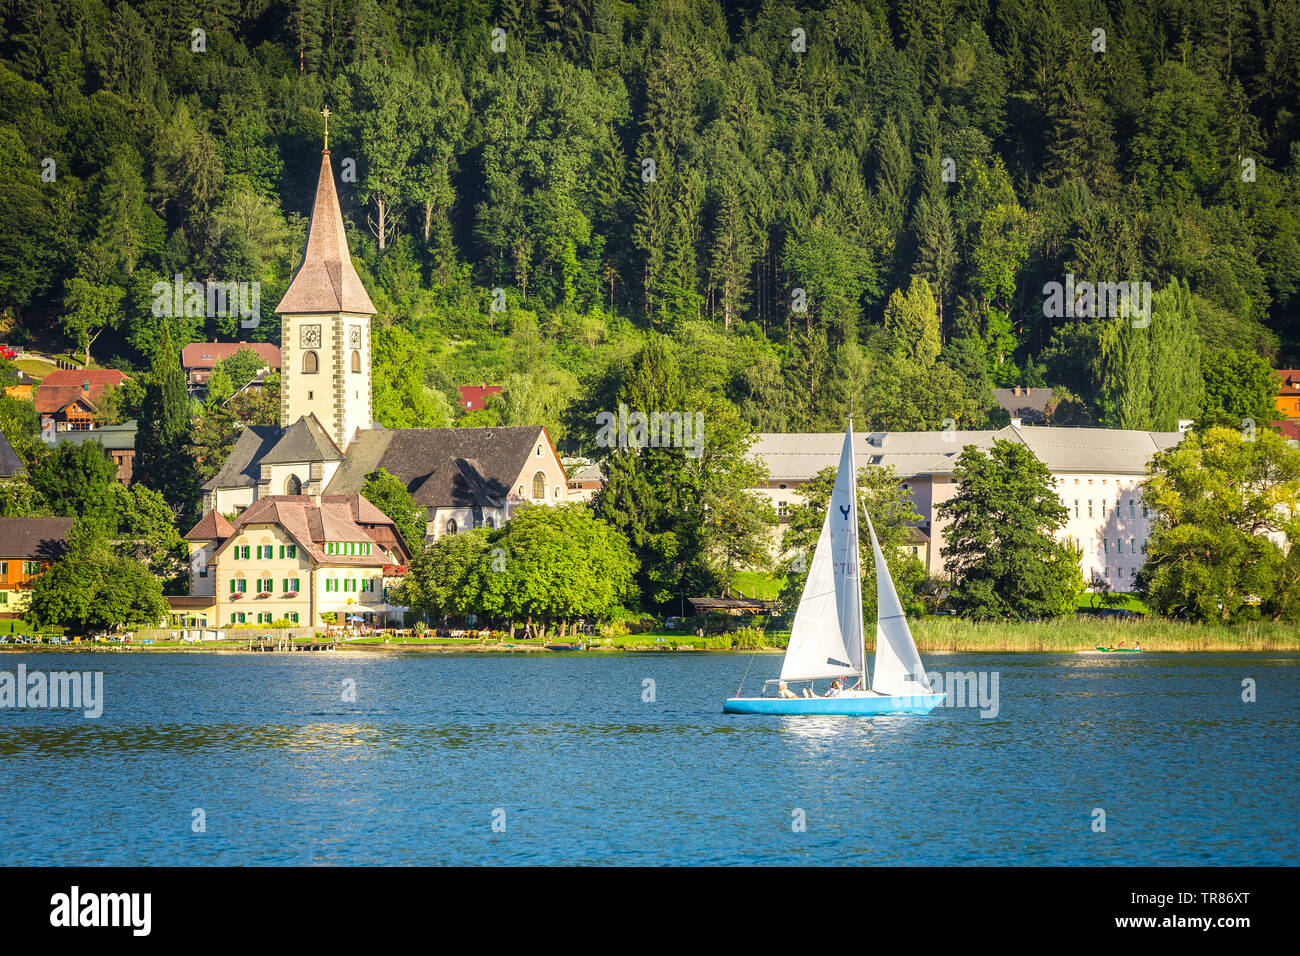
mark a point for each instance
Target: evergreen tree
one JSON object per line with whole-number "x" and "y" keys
{"x": 163, "y": 460}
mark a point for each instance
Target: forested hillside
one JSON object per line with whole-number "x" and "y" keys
{"x": 765, "y": 184}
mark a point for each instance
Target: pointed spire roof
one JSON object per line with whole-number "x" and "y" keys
{"x": 326, "y": 281}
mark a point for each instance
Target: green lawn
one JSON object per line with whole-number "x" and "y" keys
{"x": 36, "y": 368}
{"x": 10, "y": 627}
{"x": 756, "y": 584}
{"x": 1131, "y": 602}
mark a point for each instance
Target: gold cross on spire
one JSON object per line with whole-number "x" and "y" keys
{"x": 326, "y": 113}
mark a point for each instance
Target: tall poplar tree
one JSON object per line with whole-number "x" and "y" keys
{"x": 162, "y": 444}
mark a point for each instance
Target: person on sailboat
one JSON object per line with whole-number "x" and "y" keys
{"x": 783, "y": 690}
{"x": 837, "y": 685}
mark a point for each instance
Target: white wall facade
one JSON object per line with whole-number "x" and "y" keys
{"x": 338, "y": 391}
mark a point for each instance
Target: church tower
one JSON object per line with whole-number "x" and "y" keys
{"x": 325, "y": 327}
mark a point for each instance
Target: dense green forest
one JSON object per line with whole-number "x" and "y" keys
{"x": 822, "y": 209}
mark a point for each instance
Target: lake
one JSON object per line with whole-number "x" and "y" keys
{"x": 203, "y": 759}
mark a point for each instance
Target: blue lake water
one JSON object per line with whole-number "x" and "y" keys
{"x": 565, "y": 752}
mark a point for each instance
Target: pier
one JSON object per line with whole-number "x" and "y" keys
{"x": 286, "y": 645}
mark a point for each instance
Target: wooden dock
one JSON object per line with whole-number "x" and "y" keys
{"x": 285, "y": 645}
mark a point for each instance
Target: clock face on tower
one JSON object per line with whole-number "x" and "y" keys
{"x": 310, "y": 336}
{"x": 354, "y": 336}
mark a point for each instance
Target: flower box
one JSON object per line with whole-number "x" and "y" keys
{"x": 235, "y": 596}
{"x": 290, "y": 594}
{"x": 263, "y": 594}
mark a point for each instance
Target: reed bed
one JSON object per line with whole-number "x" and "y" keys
{"x": 1084, "y": 634}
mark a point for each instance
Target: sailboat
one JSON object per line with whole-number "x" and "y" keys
{"x": 827, "y": 639}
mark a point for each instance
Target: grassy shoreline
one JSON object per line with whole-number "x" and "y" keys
{"x": 933, "y": 635}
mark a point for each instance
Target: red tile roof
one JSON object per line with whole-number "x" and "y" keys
{"x": 1290, "y": 381}
{"x": 204, "y": 355}
{"x": 67, "y": 385}
{"x": 211, "y": 527}
{"x": 475, "y": 396}
{"x": 336, "y": 518}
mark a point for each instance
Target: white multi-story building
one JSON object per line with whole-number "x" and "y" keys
{"x": 1098, "y": 474}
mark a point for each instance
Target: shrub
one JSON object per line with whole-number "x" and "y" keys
{"x": 748, "y": 638}
{"x": 614, "y": 628}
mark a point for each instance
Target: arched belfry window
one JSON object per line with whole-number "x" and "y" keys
{"x": 539, "y": 486}
{"x": 292, "y": 486}
{"x": 356, "y": 361}
{"x": 309, "y": 363}
{"x": 451, "y": 525}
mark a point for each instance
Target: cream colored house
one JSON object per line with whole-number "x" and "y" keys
{"x": 292, "y": 559}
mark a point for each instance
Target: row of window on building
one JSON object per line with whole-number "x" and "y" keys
{"x": 1119, "y": 546}
{"x": 352, "y": 585}
{"x": 265, "y": 617}
{"x": 240, "y": 552}
{"x": 353, "y": 548}
{"x": 311, "y": 363}
{"x": 265, "y": 585}
{"x": 29, "y": 567}
{"x": 1132, "y": 508}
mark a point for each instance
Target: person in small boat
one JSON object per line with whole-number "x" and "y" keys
{"x": 783, "y": 690}
{"x": 1121, "y": 644}
{"x": 837, "y": 685}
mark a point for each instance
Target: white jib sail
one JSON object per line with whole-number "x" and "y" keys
{"x": 826, "y": 636}
{"x": 898, "y": 670}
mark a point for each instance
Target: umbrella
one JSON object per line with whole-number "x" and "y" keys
{"x": 356, "y": 617}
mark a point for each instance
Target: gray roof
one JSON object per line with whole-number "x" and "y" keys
{"x": 442, "y": 467}
{"x": 799, "y": 456}
{"x": 34, "y": 537}
{"x": 1030, "y": 406}
{"x": 112, "y": 437}
{"x": 11, "y": 466}
{"x": 304, "y": 440}
{"x": 243, "y": 465}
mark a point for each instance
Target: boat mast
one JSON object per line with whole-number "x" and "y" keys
{"x": 853, "y": 484}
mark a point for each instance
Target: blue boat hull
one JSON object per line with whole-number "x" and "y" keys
{"x": 833, "y": 706}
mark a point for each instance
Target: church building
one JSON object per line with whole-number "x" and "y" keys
{"x": 327, "y": 440}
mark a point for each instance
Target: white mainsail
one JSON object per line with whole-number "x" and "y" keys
{"x": 826, "y": 635}
{"x": 898, "y": 668}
